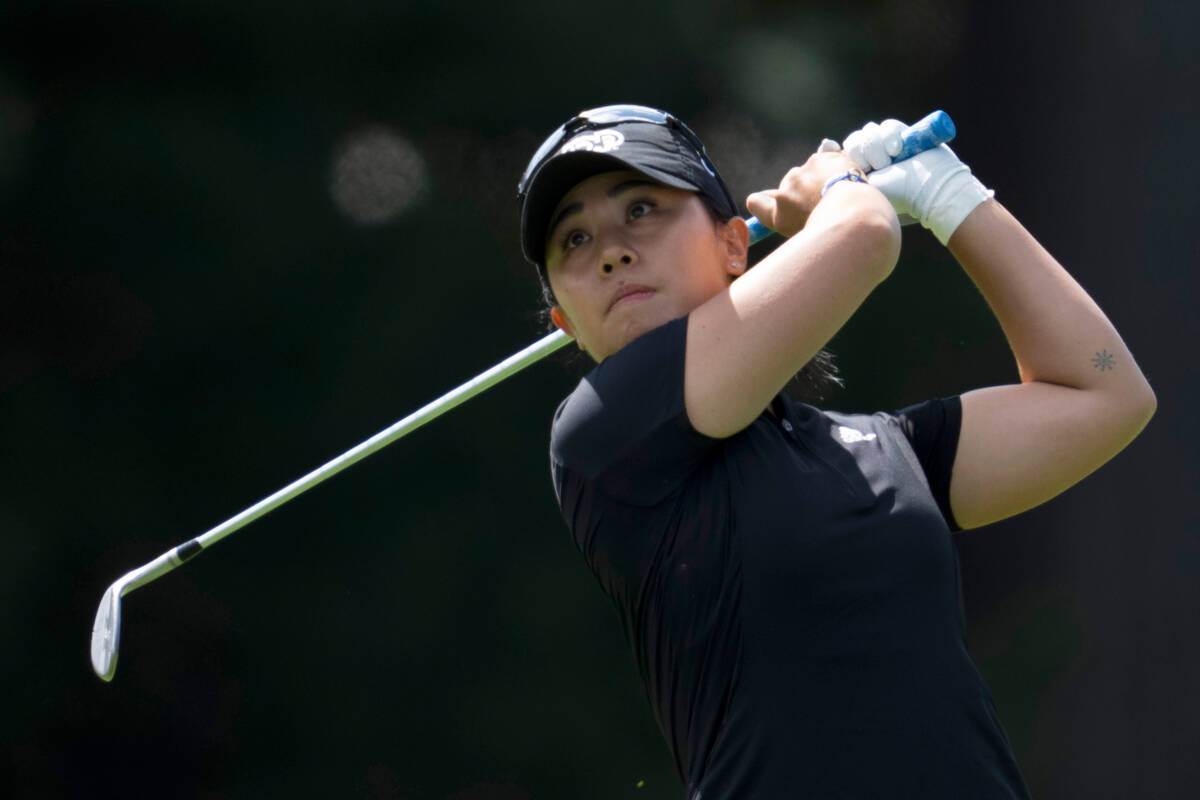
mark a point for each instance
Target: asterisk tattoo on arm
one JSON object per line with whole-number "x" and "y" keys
{"x": 1103, "y": 360}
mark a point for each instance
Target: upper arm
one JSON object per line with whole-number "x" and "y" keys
{"x": 624, "y": 426}
{"x": 1022, "y": 444}
{"x": 745, "y": 343}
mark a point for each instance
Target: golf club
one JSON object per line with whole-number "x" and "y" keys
{"x": 931, "y": 131}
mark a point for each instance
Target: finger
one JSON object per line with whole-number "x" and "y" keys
{"x": 762, "y": 205}
{"x": 890, "y": 131}
{"x": 873, "y": 148}
{"x": 854, "y": 146}
{"x": 828, "y": 146}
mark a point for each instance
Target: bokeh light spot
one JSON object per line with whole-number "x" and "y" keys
{"x": 376, "y": 175}
{"x": 781, "y": 78}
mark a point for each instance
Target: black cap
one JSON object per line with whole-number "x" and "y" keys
{"x": 668, "y": 153}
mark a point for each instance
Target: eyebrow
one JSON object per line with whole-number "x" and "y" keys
{"x": 575, "y": 208}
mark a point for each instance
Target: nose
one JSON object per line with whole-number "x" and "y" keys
{"x": 614, "y": 253}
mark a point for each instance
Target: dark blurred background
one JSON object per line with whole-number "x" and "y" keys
{"x": 238, "y": 237}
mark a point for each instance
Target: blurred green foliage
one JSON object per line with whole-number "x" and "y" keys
{"x": 189, "y": 321}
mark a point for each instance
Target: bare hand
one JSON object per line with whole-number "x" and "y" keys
{"x": 786, "y": 209}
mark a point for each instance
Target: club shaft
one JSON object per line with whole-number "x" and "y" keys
{"x": 485, "y": 380}
{"x": 506, "y": 368}
{"x": 148, "y": 572}
{"x": 930, "y": 131}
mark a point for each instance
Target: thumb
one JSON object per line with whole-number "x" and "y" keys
{"x": 762, "y": 205}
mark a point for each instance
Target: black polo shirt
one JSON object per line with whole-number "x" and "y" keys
{"x": 791, "y": 593}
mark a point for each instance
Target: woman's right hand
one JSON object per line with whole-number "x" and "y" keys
{"x": 786, "y": 210}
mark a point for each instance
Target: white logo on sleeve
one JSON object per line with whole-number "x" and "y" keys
{"x": 604, "y": 141}
{"x": 849, "y": 435}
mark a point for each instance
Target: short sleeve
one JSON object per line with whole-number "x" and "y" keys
{"x": 932, "y": 430}
{"x": 625, "y": 426}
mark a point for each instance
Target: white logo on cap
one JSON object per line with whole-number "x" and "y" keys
{"x": 595, "y": 141}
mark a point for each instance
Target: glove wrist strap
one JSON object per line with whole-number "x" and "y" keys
{"x": 955, "y": 199}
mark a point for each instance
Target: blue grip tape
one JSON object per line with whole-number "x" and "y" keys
{"x": 926, "y": 134}
{"x": 758, "y": 231}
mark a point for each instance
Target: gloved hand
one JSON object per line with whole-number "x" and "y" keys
{"x": 934, "y": 187}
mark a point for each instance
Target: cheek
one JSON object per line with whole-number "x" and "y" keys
{"x": 566, "y": 296}
{"x": 572, "y": 310}
{"x": 709, "y": 268}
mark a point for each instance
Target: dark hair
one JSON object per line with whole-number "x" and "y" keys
{"x": 814, "y": 381}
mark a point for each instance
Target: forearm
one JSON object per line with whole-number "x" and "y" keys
{"x": 744, "y": 344}
{"x": 1056, "y": 331}
{"x": 806, "y": 290}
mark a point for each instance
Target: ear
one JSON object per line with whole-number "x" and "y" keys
{"x": 735, "y": 239}
{"x": 563, "y": 324}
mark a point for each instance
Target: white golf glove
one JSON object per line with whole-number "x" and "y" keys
{"x": 933, "y": 187}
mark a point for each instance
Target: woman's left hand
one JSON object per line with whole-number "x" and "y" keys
{"x": 934, "y": 187}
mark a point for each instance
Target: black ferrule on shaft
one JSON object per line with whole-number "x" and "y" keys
{"x": 186, "y": 551}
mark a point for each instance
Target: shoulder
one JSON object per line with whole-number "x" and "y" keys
{"x": 628, "y": 406}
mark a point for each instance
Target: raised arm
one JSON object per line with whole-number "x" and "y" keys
{"x": 747, "y": 342}
{"x": 1081, "y": 398}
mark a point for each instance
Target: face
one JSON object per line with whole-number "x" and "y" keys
{"x": 625, "y": 255}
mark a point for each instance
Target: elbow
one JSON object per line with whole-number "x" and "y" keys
{"x": 877, "y": 232}
{"x": 1145, "y": 404}
{"x": 860, "y": 228}
{"x": 1134, "y": 408}
{"x": 1140, "y": 402}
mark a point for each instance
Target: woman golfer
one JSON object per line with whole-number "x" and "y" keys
{"x": 785, "y": 575}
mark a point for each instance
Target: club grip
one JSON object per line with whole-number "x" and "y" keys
{"x": 925, "y": 134}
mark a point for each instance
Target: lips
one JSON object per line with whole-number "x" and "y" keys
{"x": 627, "y": 290}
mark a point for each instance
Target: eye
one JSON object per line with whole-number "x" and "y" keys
{"x": 640, "y": 209}
{"x": 573, "y": 239}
